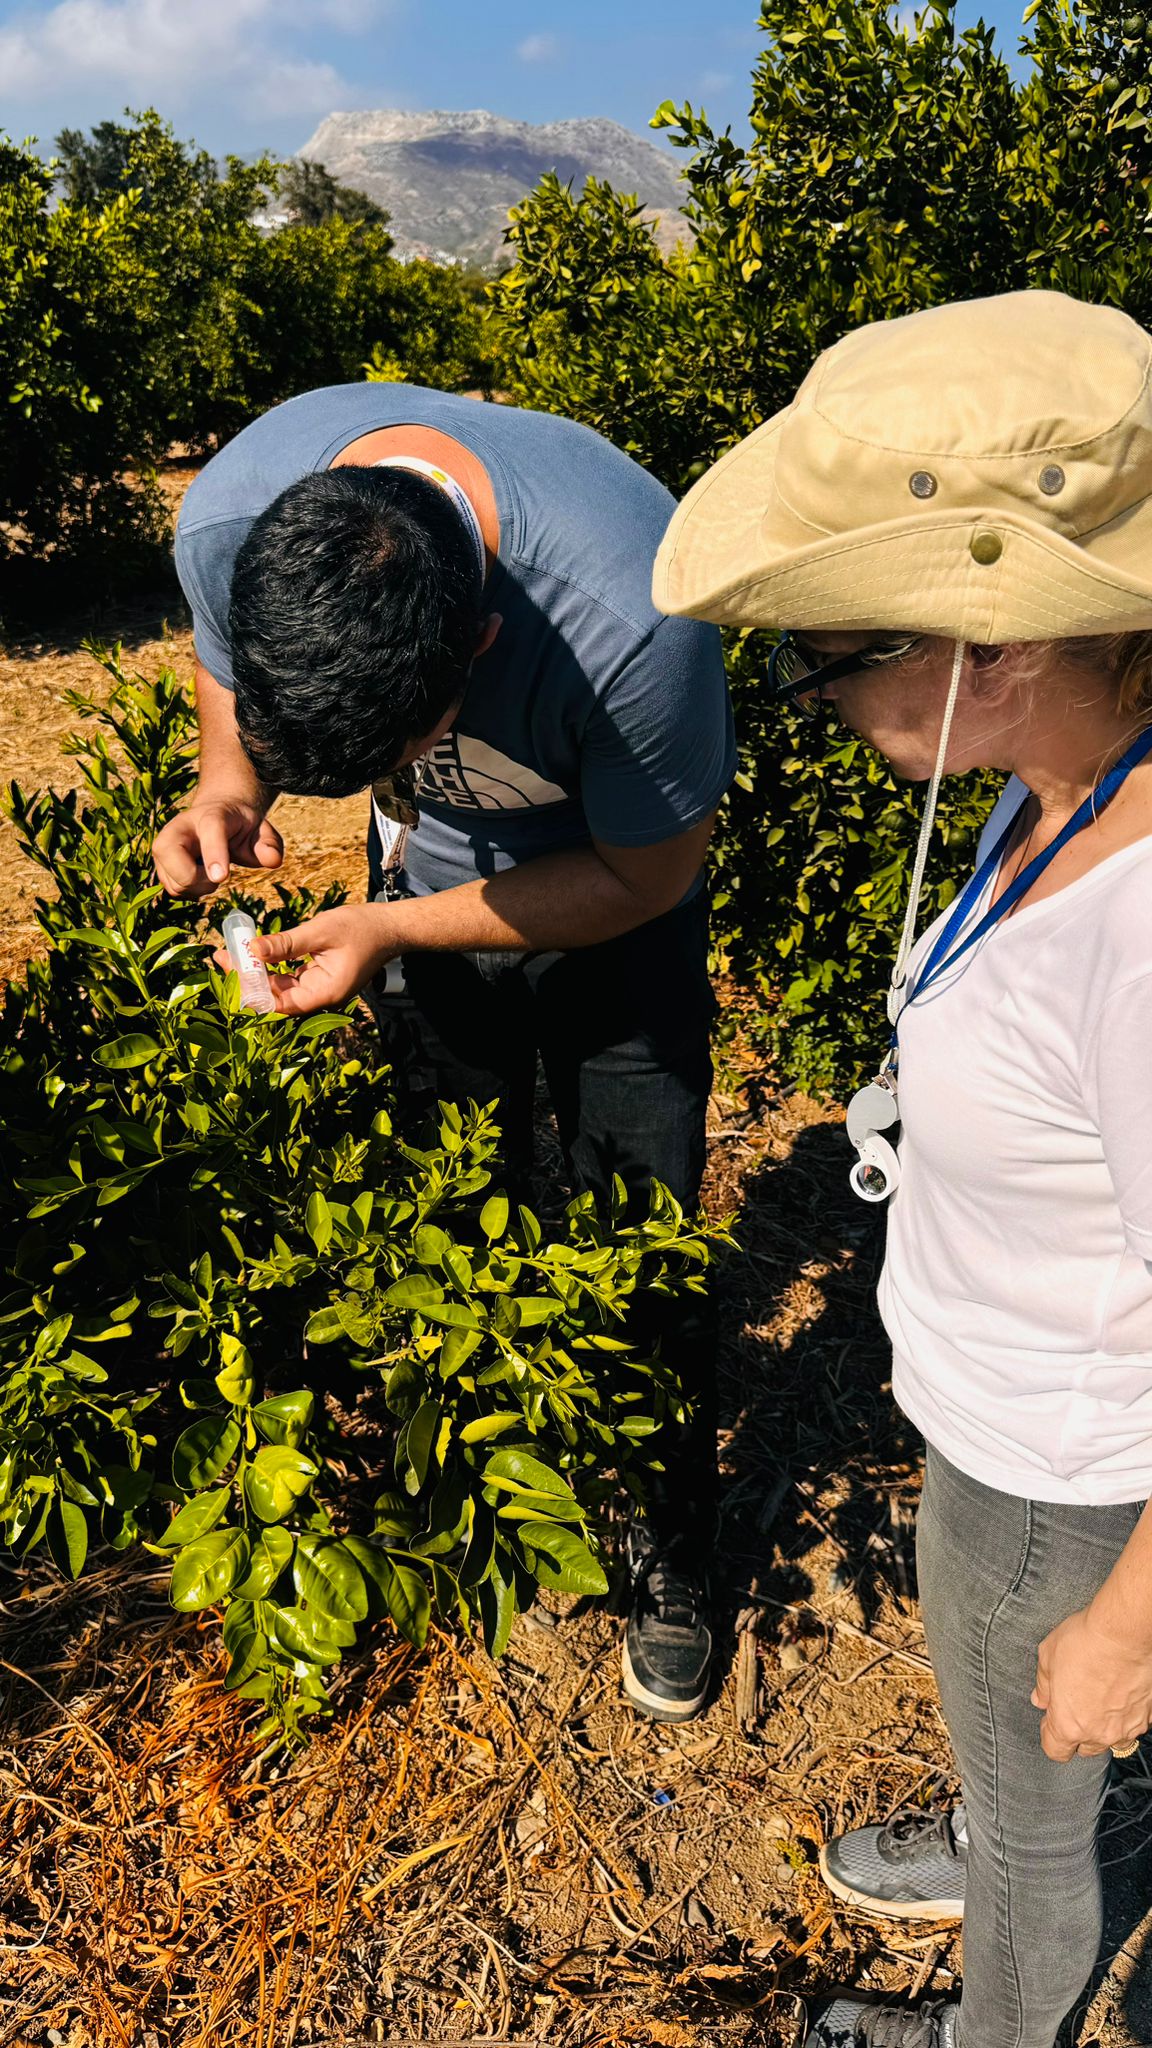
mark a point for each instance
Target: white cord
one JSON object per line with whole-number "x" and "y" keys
{"x": 908, "y": 935}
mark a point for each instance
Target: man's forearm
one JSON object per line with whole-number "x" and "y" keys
{"x": 225, "y": 772}
{"x": 558, "y": 902}
{"x": 576, "y": 898}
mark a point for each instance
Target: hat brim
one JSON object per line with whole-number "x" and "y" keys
{"x": 738, "y": 554}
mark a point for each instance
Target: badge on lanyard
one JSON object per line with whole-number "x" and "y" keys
{"x": 396, "y": 809}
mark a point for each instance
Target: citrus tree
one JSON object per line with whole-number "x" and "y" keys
{"x": 209, "y": 1221}
{"x": 70, "y": 319}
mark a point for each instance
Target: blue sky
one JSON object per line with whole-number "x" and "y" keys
{"x": 249, "y": 74}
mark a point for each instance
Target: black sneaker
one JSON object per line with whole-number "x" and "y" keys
{"x": 912, "y": 1868}
{"x": 667, "y": 1654}
{"x": 854, "y": 2023}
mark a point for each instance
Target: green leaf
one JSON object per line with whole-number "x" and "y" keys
{"x": 318, "y": 1221}
{"x": 328, "y": 1578}
{"x": 405, "y": 1386}
{"x": 476, "y": 1562}
{"x": 415, "y": 1292}
{"x": 68, "y": 1536}
{"x": 409, "y": 1604}
{"x": 494, "y": 1217}
{"x": 538, "y": 1308}
{"x": 458, "y": 1269}
{"x": 195, "y": 1518}
{"x": 395, "y": 1516}
{"x": 414, "y": 1449}
{"x": 276, "y": 1479}
{"x": 485, "y": 1426}
{"x": 559, "y": 1559}
{"x": 135, "y": 1049}
{"x": 237, "y": 1378}
{"x": 303, "y": 1634}
{"x": 456, "y": 1315}
{"x": 403, "y": 1593}
{"x": 203, "y": 1451}
{"x": 284, "y": 1418}
{"x": 208, "y": 1569}
{"x": 430, "y": 1244}
{"x": 248, "y": 1655}
{"x": 517, "y": 1470}
{"x": 270, "y": 1553}
{"x": 496, "y": 1598}
{"x": 456, "y": 1350}
{"x": 324, "y": 1327}
{"x": 322, "y": 1024}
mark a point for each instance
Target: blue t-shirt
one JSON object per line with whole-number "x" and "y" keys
{"x": 592, "y": 715}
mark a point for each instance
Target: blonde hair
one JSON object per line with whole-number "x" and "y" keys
{"x": 1126, "y": 657}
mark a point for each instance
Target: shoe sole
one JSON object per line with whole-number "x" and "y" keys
{"x": 652, "y": 1703}
{"x": 889, "y": 1909}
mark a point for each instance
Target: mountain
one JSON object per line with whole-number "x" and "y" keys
{"x": 448, "y": 180}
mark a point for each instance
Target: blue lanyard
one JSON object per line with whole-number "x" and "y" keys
{"x": 944, "y": 954}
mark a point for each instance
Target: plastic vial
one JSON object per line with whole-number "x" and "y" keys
{"x": 255, "y": 988}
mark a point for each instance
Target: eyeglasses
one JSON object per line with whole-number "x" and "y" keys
{"x": 797, "y": 673}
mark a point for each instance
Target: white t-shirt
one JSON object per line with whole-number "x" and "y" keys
{"x": 1017, "y": 1289}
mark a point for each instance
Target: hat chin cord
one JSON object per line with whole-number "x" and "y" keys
{"x": 908, "y": 935}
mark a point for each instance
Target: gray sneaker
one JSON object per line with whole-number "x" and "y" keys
{"x": 855, "y": 2023}
{"x": 912, "y": 1868}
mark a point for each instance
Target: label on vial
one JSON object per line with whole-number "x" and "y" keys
{"x": 240, "y": 948}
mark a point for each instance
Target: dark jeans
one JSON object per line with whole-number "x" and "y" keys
{"x": 622, "y": 1032}
{"x": 996, "y": 1576}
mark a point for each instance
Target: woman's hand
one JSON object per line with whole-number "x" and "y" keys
{"x": 1095, "y": 1691}
{"x": 345, "y": 948}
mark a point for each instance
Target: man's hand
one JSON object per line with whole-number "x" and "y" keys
{"x": 1095, "y": 1691}
{"x": 345, "y": 948}
{"x": 197, "y": 849}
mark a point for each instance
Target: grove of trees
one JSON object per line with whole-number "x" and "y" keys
{"x": 145, "y": 305}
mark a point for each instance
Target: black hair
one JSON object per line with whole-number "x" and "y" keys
{"x": 354, "y": 616}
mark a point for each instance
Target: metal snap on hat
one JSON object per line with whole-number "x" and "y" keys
{"x": 981, "y": 470}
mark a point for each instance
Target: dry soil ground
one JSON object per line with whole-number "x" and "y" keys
{"x": 493, "y": 1855}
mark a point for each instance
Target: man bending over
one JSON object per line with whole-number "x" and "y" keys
{"x": 448, "y": 603}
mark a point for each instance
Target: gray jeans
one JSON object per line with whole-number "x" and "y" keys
{"x": 997, "y": 1573}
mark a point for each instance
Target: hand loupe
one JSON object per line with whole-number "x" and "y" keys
{"x": 872, "y": 1110}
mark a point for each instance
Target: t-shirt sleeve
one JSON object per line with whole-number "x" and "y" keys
{"x": 205, "y": 557}
{"x": 659, "y": 749}
{"x": 1118, "y": 1087}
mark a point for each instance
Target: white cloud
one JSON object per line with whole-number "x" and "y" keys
{"x": 540, "y": 49}
{"x": 285, "y": 89}
{"x": 133, "y": 51}
{"x": 715, "y": 81}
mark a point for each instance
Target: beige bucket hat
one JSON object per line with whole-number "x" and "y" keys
{"x": 980, "y": 470}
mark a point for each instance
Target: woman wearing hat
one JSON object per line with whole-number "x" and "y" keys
{"x": 951, "y": 527}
